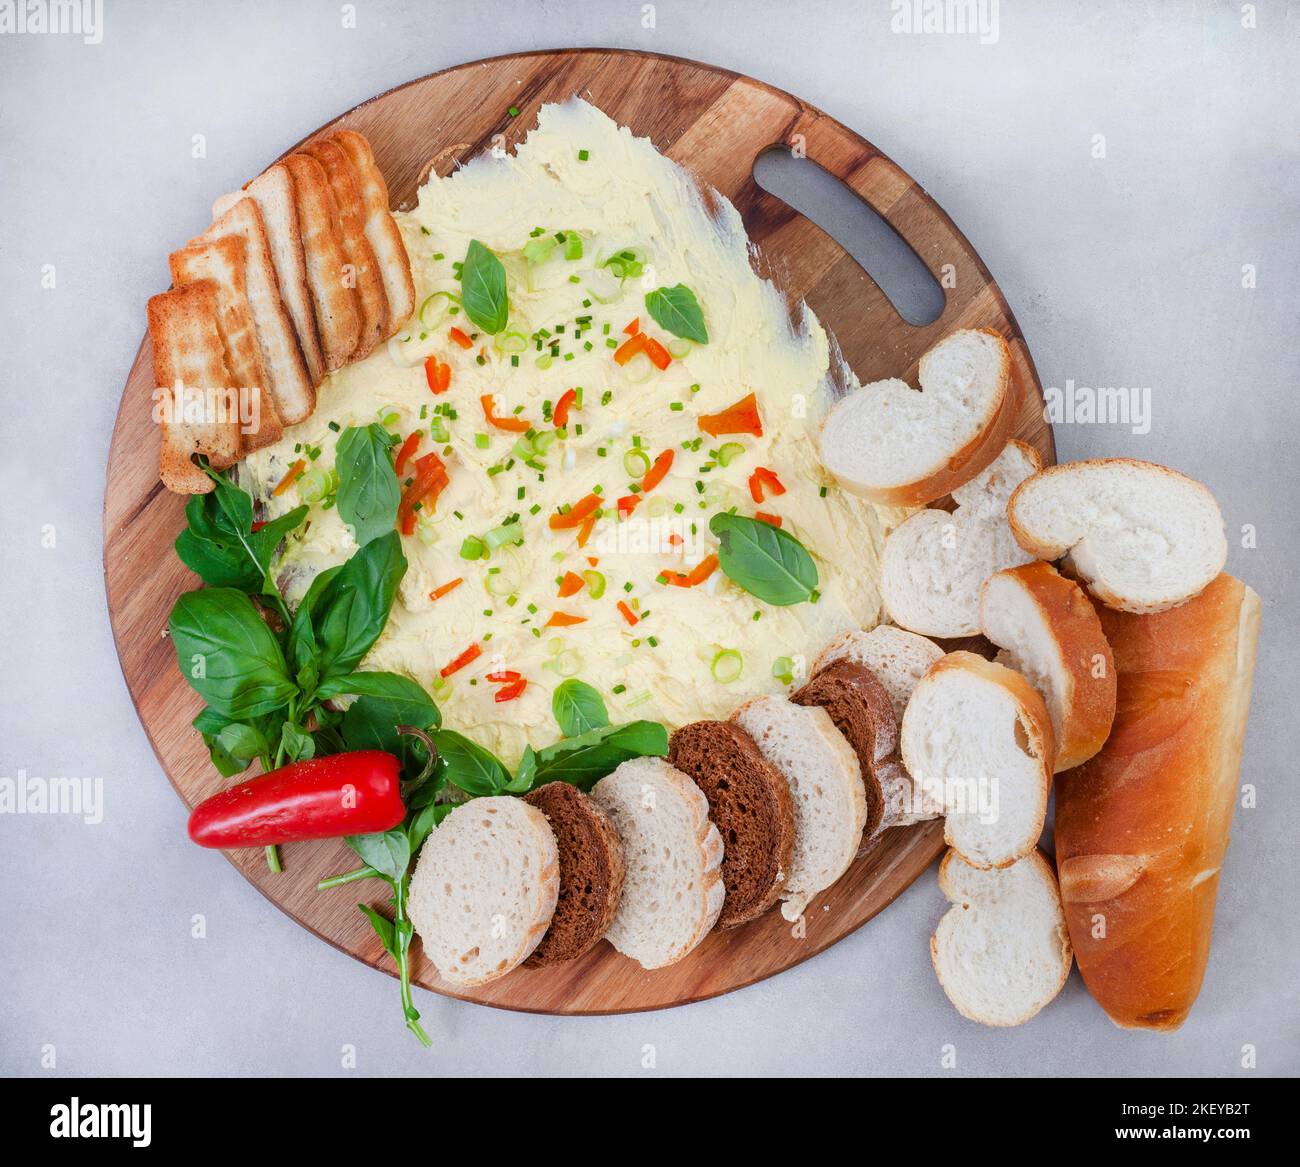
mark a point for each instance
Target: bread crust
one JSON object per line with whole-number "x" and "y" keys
{"x": 1089, "y": 698}
{"x": 1142, "y": 828}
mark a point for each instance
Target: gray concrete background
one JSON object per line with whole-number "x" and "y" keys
{"x": 1123, "y": 270}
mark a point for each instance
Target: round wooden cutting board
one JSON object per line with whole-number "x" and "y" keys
{"x": 716, "y": 123}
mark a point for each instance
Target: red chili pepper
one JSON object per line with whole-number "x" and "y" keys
{"x": 516, "y": 425}
{"x": 571, "y": 584}
{"x": 560, "y": 416}
{"x": 740, "y": 418}
{"x": 655, "y": 475}
{"x": 355, "y": 793}
{"x": 511, "y": 691}
{"x": 763, "y": 477}
{"x": 461, "y": 338}
{"x": 408, "y": 448}
{"x": 472, "y": 653}
{"x": 438, "y": 376}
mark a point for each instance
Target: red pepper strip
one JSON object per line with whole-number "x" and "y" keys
{"x": 740, "y": 418}
{"x": 629, "y": 348}
{"x": 438, "y": 593}
{"x": 571, "y": 584}
{"x": 472, "y": 653}
{"x": 461, "y": 338}
{"x": 764, "y": 517}
{"x": 628, "y": 503}
{"x": 657, "y": 472}
{"x": 697, "y": 575}
{"x": 575, "y": 515}
{"x": 763, "y": 477}
{"x": 561, "y": 414}
{"x": 408, "y": 448}
{"x": 591, "y": 559}
{"x": 430, "y": 481}
{"x": 323, "y": 798}
{"x": 295, "y": 472}
{"x": 516, "y": 425}
{"x": 438, "y": 376}
{"x": 511, "y": 691}
{"x": 628, "y": 614}
{"x": 564, "y": 620}
{"x": 659, "y": 356}
{"x": 257, "y": 526}
{"x": 504, "y": 675}
{"x": 675, "y": 540}
{"x": 633, "y": 326}
{"x": 585, "y": 533}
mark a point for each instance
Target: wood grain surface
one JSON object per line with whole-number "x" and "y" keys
{"x": 716, "y": 123}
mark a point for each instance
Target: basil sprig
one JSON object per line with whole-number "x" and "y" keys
{"x": 578, "y": 708}
{"x": 368, "y": 493}
{"x": 483, "y": 289}
{"x": 764, "y": 560}
{"x": 677, "y": 310}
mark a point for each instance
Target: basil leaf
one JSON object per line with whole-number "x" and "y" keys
{"x": 243, "y": 742}
{"x": 227, "y": 766}
{"x": 302, "y": 635}
{"x": 583, "y": 761}
{"x": 423, "y": 821}
{"x": 228, "y": 654}
{"x": 400, "y": 690}
{"x": 468, "y": 765}
{"x": 525, "y": 773}
{"x": 298, "y": 743}
{"x": 764, "y": 560}
{"x": 383, "y": 928}
{"x": 677, "y": 310}
{"x": 578, "y": 708}
{"x": 351, "y": 608}
{"x": 483, "y": 289}
{"x": 388, "y": 700}
{"x": 368, "y": 493}
{"x": 219, "y": 544}
{"x": 388, "y": 852}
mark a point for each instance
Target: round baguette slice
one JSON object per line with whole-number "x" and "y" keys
{"x": 978, "y": 739}
{"x": 1001, "y": 952}
{"x": 1050, "y": 634}
{"x": 1143, "y": 537}
{"x": 864, "y": 714}
{"x": 485, "y": 888}
{"x": 749, "y": 803}
{"x": 899, "y": 447}
{"x": 672, "y": 893}
{"x": 591, "y": 872}
{"x": 830, "y": 805}
{"x": 935, "y": 562}
{"x": 898, "y": 658}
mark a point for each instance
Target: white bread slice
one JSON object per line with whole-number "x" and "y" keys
{"x": 672, "y": 886}
{"x": 935, "y": 563}
{"x": 899, "y": 447}
{"x": 1145, "y": 538}
{"x": 485, "y": 888}
{"x": 830, "y": 803}
{"x": 898, "y": 658}
{"x": 1050, "y": 634}
{"x": 1001, "y": 952}
{"x": 978, "y": 739}
{"x": 272, "y": 190}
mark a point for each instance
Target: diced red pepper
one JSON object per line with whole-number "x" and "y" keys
{"x": 765, "y": 517}
{"x": 697, "y": 575}
{"x": 588, "y": 524}
{"x": 629, "y": 348}
{"x": 740, "y": 418}
{"x": 470, "y": 654}
{"x": 763, "y": 477}
{"x": 437, "y": 375}
{"x": 408, "y": 448}
{"x": 564, "y": 620}
{"x": 633, "y": 326}
{"x": 560, "y": 416}
{"x": 438, "y": 593}
{"x": 295, "y": 472}
{"x": 503, "y": 675}
{"x": 511, "y": 691}
{"x": 461, "y": 338}
{"x": 659, "y": 356}
{"x": 575, "y": 515}
{"x": 429, "y": 482}
{"x": 628, "y": 615}
{"x": 628, "y": 503}
{"x": 658, "y": 471}
{"x": 515, "y": 425}
{"x": 571, "y": 584}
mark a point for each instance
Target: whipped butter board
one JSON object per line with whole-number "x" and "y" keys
{"x": 715, "y": 123}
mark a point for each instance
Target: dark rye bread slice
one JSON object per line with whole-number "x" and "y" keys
{"x": 591, "y": 872}
{"x": 749, "y": 803}
{"x": 862, "y": 711}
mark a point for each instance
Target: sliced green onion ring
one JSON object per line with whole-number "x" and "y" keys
{"x": 679, "y": 347}
{"x": 595, "y": 584}
{"x": 636, "y": 462}
{"x": 727, "y": 666}
{"x": 510, "y": 342}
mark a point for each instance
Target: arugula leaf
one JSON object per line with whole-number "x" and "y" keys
{"x": 368, "y": 493}
{"x": 483, "y": 289}
{"x": 388, "y": 852}
{"x": 383, "y": 928}
{"x": 764, "y": 560}
{"x": 350, "y": 609}
{"x": 228, "y": 654}
{"x": 677, "y": 310}
{"x": 475, "y": 770}
{"x": 584, "y": 760}
{"x": 577, "y": 708}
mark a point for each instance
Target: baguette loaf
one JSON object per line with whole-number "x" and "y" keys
{"x": 1142, "y": 828}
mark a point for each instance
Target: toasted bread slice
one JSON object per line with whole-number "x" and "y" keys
{"x": 485, "y": 888}
{"x": 935, "y": 563}
{"x": 381, "y": 229}
{"x": 189, "y": 361}
{"x": 830, "y": 803}
{"x": 1143, "y": 537}
{"x": 290, "y": 384}
{"x": 272, "y": 190}
{"x": 1050, "y": 634}
{"x": 673, "y": 891}
{"x": 899, "y": 447}
{"x": 333, "y": 296}
{"x": 749, "y": 803}
{"x": 222, "y": 262}
{"x": 1001, "y": 952}
{"x": 978, "y": 739}
{"x": 372, "y": 299}
{"x": 591, "y": 872}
